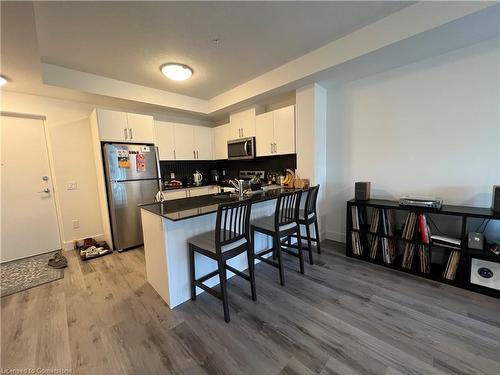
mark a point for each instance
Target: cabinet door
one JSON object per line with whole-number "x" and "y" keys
{"x": 140, "y": 128}
{"x": 284, "y": 130}
{"x": 221, "y": 136}
{"x": 203, "y": 141}
{"x": 184, "y": 142}
{"x": 247, "y": 123}
{"x": 112, "y": 125}
{"x": 234, "y": 129}
{"x": 264, "y": 134}
{"x": 164, "y": 139}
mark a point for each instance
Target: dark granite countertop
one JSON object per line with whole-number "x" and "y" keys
{"x": 186, "y": 208}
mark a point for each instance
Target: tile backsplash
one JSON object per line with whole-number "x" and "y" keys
{"x": 186, "y": 168}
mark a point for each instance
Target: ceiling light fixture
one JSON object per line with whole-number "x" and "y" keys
{"x": 176, "y": 72}
{"x": 3, "y": 80}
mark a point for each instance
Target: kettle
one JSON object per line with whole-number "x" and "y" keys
{"x": 197, "y": 178}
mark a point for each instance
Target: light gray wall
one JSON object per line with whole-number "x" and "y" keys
{"x": 430, "y": 128}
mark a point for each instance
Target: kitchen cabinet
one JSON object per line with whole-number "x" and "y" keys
{"x": 204, "y": 190}
{"x": 275, "y": 132}
{"x": 264, "y": 134}
{"x": 124, "y": 127}
{"x": 221, "y": 136}
{"x": 169, "y": 195}
{"x": 203, "y": 143}
{"x": 164, "y": 136}
{"x": 183, "y": 142}
{"x": 242, "y": 124}
{"x": 284, "y": 130}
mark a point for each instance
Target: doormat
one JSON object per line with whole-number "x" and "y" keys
{"x": 26, "y": 273}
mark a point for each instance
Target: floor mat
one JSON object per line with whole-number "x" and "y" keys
{"x": 22, "y": 274}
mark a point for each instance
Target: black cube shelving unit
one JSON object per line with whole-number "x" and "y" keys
{"x": 462, "y": 213}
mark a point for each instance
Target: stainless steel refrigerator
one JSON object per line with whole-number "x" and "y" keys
{"x": 132, "y": 178}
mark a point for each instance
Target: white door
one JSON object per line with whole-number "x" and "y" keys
{"x": 221, "y": 136}
{"x": 184, "y": 142}
{"x": 284, "y": 130}
{"x": 164, "y": 139}
{"x": 140, "y": 127}
{"x": 203, "y": 141}
{"x": 29, "y": 221}
{"x": 264, "y": 134}
{"x": 248, "y": 123}
{"x": 113, "y": 125}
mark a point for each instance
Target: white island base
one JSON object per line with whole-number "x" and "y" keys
{"x": 167, "y": 253}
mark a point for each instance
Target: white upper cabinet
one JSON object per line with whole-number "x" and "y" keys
{"x": 125, "y": 127}
{"x": 221, "y": 136}
{"x": 264, "y": 134}
{"x": 242, "y": 124}
{"x": 203, "y": 143}
{"x": 284, "y": 130}
{"x": 183, "y": 142}
{"x": 164, "y": 136}
{"x": 140, "y": 127}
{"x": 275, "y": 132}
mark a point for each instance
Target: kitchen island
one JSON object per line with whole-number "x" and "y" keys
{"x": 167, "y": 227}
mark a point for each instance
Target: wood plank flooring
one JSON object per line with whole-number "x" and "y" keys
{"x": 343, "y": 316}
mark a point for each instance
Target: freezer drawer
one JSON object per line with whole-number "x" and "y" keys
{"x": 125, "y": 213}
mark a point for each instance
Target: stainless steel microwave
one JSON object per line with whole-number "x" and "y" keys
{"x": 243, "y": 148}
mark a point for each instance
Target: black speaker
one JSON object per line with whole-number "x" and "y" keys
{"x": 362, "y": 191}
{"x": 495, "y": 204}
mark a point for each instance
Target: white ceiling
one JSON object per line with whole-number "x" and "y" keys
{"x": 128, "y": 41}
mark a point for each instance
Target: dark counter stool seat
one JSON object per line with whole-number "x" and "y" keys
{"x": 280, "y": 226}
{"x": 307, "y": 217}
{"x": 230, "y": 238}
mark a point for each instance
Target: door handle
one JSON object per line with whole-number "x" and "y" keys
{"x": 125, "y": 133}
{"x": 130, "y": 132}
{"x": 46, "y": 190}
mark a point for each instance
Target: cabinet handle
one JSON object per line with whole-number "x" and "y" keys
{"x": 242, "y": 133}
{"x": 125, "y": 133}
{"x": 197, "y": 155}
{"x": 130, "y": 131}
{"x": 275, "y": 148}
{"x": 174, "y": 155}
{"x": 194, "y": 154}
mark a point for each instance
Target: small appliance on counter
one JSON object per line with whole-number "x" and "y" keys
{"x": 428, "y": 202}
{"x": 214, "y": 176}
{"x": 197, "y": 178}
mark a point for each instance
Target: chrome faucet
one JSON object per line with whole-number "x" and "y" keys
{"x": 238, "y": 184}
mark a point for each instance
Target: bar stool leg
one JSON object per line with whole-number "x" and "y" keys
{"x": 277, "y": 247}
{"x": 223, "y": 289}
{"x": 192, "y": 272}
{"x": 299, "y": 246}
{"x": 316, "y": 229}
{"x": 251, "y": 271}
{"x": 309, "y": 242}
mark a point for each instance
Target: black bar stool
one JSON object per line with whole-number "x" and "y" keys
{"x": 229, "y": 239}
{"x": 307, "y": 217}
{"x": 283, "y": 224}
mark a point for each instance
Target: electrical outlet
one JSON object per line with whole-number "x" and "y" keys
{"x": 71, "y": 185}
{"x": 76, "y": 224}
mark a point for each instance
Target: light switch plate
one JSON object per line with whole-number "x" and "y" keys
{"x": 71, "y": 185}
{"x": 76, "y": 224}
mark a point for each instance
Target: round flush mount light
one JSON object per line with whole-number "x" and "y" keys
{"x": 176, "y": 72}
{"x": 3, "y": 80}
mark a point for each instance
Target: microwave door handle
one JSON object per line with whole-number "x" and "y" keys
{"x": 245, "y": 148}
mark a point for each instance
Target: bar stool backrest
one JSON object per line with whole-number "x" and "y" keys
{"x": 232, "y": 223}
{"x": 312, "y": 197}
{"x": 287, "y": 210}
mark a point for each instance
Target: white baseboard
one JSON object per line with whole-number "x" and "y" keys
{"x": 69, "y": 245}
{"x": 335, "y": 236}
